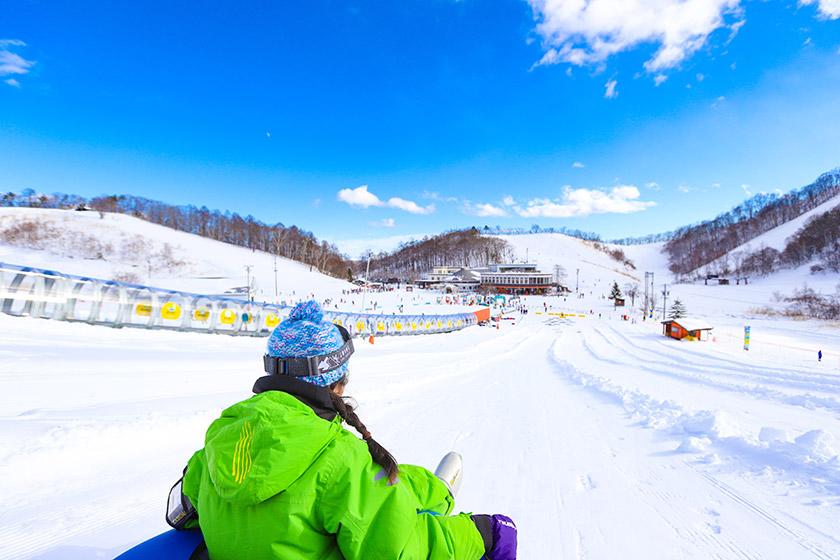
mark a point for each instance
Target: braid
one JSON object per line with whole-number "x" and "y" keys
{"x": 380, "y": 455}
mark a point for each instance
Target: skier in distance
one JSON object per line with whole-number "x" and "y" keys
{"x": 280, "y": 478}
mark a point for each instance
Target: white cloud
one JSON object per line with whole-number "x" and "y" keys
{"x": 508, "y": 201}
{"x": 585, "y": 33}
{"x": 439, "y": 197}
{"x": 828, "y": 9}
{"x": 11, "y": 63}
{"x": 578, "y": 164}
{"x": 13, "y": 82}
{"x": 385, "y": 222}
{"x": 700, "y": 77}
{"x": 734, "y": 28}
{"x": 747, "y": 189}
{"x": 652, "y": 186}
{"x": 583, "y": 202}
{"x": 715, "y": 185}
{"x": 611, "y": 93}
{"x": 659, "y": 79}
{"x": 410, "y": 206}
{"x": 360, "y": 196}
{"x": 685, "y": 188}
{"x": 486, "y": 211}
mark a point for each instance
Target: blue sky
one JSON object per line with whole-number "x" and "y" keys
{"x": 372, "y": 122}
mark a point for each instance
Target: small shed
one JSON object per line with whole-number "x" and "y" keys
{"x": 690, "y": 329}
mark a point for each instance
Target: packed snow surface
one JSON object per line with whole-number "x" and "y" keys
{"x": 600, "y": 437}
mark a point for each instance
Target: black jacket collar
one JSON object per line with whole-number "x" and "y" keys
{"x": 315, "y": 397}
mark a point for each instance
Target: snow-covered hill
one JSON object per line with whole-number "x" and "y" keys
{"x": 599, "y": 436}
{"x": 593, "y": 272}
{"x": 777, "y": 237}
{"x": 121, "y": 247}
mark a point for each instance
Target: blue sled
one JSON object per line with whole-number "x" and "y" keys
{"x": 171, "y": 545}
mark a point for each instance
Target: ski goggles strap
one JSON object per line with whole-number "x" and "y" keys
{"x": 312, "y": 366}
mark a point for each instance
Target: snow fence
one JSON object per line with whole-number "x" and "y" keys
{"x": 31, "y": 292}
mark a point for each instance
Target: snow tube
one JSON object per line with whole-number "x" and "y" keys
{"x": 171, "y": 545}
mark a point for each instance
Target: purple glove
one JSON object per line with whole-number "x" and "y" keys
{"x": 499, "y": 534}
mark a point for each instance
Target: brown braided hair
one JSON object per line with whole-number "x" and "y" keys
{"x": 345, "y": 409}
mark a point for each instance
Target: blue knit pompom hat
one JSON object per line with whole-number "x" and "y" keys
{"x": 305, "y": 334}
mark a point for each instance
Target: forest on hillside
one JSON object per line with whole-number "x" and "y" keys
{"x": 708, "y": 245}
{"x": 454, "y": 248}
{"x": 290, "y": 242}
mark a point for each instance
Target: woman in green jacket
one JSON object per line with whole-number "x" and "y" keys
{"x": 280, "y": 478}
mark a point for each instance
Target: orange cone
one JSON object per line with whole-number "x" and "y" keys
{"x": 370, "y": 339}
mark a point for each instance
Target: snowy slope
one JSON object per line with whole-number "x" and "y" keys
{"x": 777, "y": 237}
{"x": 600, "y": 437}
{"x": 135, "y": 247}
{"x": 549, "y": 249}
{"x": 594, "y": 272}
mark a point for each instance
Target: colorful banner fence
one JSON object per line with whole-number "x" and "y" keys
{"x": 31, "y": 292}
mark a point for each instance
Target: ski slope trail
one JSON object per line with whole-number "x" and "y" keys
{"x": 749, "y": 498}
{"x": 600, "y": 439}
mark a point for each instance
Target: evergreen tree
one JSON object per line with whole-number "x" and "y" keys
{"x": 677, "y": 310}
{"x": 615, "y": 294}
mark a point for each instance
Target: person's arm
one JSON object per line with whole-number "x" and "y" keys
{"x": 374, "y": 520}
{"x": 192, "y": 481}
{"x": 431, "y": 492}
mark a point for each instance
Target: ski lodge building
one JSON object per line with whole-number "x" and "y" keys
{"x": 520, "y": 278}
{"x": 689, "y": 329}
{"x": 439, "y": 274}
{"x": 515, "y": 279}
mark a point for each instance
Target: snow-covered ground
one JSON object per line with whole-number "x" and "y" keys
{"x": 600, "y": 437}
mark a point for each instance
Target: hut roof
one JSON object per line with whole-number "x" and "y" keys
{"x": 690, "y": 324}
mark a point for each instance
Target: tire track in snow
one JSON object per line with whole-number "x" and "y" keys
{"x": 769, "y": 518}
{"x": 666, "y": 494}
{"x": 673, "y": 418}
{"x": 716, "y": 367}
{"x": 666, "y": 366}
{"x": 712, "y": 363}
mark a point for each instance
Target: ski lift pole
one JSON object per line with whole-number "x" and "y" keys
{"x": 367, "y": 281}
{"x": 248, "y": 280}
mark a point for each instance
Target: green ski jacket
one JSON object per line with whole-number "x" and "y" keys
{"x": 279, "y": 477}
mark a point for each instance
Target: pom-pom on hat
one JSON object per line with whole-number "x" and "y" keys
{"x": 305, "y": 334}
